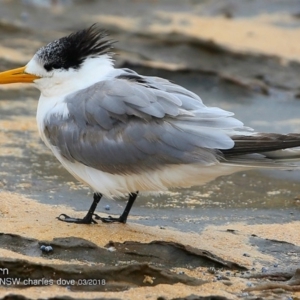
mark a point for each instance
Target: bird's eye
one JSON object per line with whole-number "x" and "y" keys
{"x": 49, "y": 67}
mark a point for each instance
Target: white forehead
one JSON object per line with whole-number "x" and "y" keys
{"x": 35, "y": 66}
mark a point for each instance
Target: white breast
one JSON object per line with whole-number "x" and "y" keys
{"x": 46, "y": 107}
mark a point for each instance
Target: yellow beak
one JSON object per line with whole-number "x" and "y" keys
{"x": 16, "y": 75}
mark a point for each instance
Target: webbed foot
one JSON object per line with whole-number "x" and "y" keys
{"x": 86, "y": 220}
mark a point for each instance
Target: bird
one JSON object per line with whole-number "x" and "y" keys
{"x": 122, "y": 133}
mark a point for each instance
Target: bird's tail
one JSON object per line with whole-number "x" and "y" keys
{"x": 265, "y": 150}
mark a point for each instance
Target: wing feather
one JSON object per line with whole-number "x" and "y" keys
{"x": 123, "y": 126}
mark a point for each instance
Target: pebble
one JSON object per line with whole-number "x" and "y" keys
{"x": 249, "y": 284}
{"x": 264, "y": 269}
{"x": 46, "y": 248}
{"x": 246, "y": 254}
{"x": 111, "y": 249}
{"x": 107, "y": 207}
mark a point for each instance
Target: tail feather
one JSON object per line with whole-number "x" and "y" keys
{"x": 264, "y": 150}
{"x": 262, "y": 143}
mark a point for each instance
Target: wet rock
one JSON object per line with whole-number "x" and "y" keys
{"x": 104, "y": 278}
{"x": 174, "y": 252}
{"x": 167, "y": 254}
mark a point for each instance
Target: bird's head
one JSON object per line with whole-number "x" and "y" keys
{"x": 66, "y": 63}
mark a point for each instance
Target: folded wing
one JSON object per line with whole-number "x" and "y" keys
{"x": 133, "y": 123}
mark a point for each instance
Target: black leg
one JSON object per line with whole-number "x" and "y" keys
{"x": 123, "y": 217}
{"x": 88, "y": 219}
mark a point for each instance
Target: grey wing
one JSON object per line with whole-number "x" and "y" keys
{"x": 123, "y": 125}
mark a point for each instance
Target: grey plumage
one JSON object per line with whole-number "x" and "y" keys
{"x": 131, "y": 124}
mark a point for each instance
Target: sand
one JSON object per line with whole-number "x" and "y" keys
{"x": 28, "y": 218}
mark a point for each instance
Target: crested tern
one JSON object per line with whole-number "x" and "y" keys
{"x": 120, "y": 132}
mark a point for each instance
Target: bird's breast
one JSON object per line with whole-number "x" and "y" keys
{"x": 47, "y": 107}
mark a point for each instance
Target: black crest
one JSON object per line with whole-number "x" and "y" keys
{"x": 71, "y": 51}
